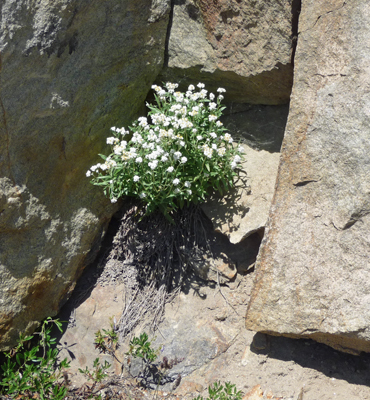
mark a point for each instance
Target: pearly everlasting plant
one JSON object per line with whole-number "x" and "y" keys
{"x": 173, "y": 157}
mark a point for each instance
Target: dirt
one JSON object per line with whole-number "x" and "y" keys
{"x": 203, "y": 328}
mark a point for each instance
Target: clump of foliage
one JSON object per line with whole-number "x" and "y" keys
{"x": 140, "y": 347}
{"x": 151, "y": 371}
{"x": 98, "y": 373}
{"x": 219, "y": 392}
{"x": 34, "y": 370}
{"x": 173, "y": 158}
{"x": 107, "y": 342}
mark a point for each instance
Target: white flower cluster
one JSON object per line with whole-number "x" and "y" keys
{"x": 180, "y": 136}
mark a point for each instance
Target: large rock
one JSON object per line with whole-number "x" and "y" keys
{"x": 69, "y": 71}
{"x": 244, "y": 210}
{"x": 243, "y": 46}
{"x": 313, "y": 271}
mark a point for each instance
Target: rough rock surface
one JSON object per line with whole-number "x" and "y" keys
{"x": 243, "y": 46}
{"x": 69, "y": 71}
{"x": 313, "y": 269}
{"x": 259, "y": 126}
{"x": 207, "y": 330}
{"x": 245, "y": 209}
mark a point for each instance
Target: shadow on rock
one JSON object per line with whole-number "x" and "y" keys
{"x": 313, "y": 355}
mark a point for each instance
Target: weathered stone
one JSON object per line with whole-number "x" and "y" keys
{"x": 244, "y": 210}
{"x": 313, "y": 273}
{"x": 255, "y": 393}
{"x": 96, "y": 313}
{"x": 243, "y": 46}
{"x": 259, "y": 126}
{"x": 218, "y": 269}
{"x": 69, "y": 71}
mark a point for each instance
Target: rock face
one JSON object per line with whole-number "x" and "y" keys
{"x": 69, "y": 71}
{"x": 244, "y": 46}
{"x": 313, "y": 270}
{"x": 244, "y": 210}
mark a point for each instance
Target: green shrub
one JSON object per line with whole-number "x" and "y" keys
{"x": 220, "y": 392}
{"x": 175, "y": 159}
{"x": 34, "y": 370}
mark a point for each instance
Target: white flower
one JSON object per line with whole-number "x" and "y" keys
{"x": 177, "y": 155}
{"x": 194, "y": 130}
{"x": 142, "y": 195}
{"x": 113, "y": 200}
{"x": 221, "y": 90}
{"x": 142, "y": 121}
{"x": 139, "y": 160}
{"x": 183, "y": 160}
{"x": 211, "y": 96}
{"x": 176, "y": 181}
{"x": 200, "y": 85}
{"x": 118, "y": 150}
{"x": 111, "y": 163}
{"x": 104, "y": 167}
{"x": 221, "y": 97}
{"x": 199, "y": 137}
{"x": 156, "y": 88}
{"x": 94, "y": 167}
{"x": 213, "y": 135}
{"x": 179, "y": 97}
{"x": 207, "y": 151}
{"x": 177, "y": 191}
{"x": 136, "y": 178}
{"x": 241, "y": 149}
{"x": 187, "y": 184}
{"x": 228, "y": 138}
{"x": 212, "y": 106}
{"x": 219, "y": 123}
{"x": 237, "y": 159}
{"x": 111, "y": 140}
{"x": 123, "y": 131}
{"x": 181, "y": 143}
{"x": 221, "y": 151}
{"x": 88, "y": 173}
{"x": 152, "y": 136}
{"x": 214, "y": 146}
{"x": 171, "y": 86}
{"x": 191, "y": 87}
{"x": 113, "y": 128}
{"x": 233, "y": 165}
{"x": 153, "y": 164}
{"x": 164, "y": 158}
{"x": 203, "y": 94}
{"x": 189, "y": 191}
{"x": 212, "y": 117}
{"x": 170, "y": 169}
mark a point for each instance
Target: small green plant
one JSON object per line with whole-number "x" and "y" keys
{"x": 175, "y": 159}
{"x": 219, "y": 392}
{"x": 106, "y": 342}
{"x": 140, "y": 347}
{"x": 33, "y": 368}
{"x": 98, "y": 374}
